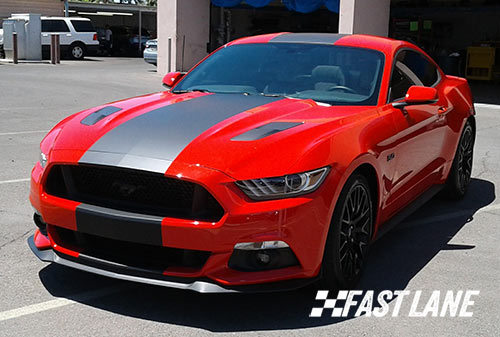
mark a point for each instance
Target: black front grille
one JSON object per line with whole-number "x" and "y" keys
{"x": 148, "y": 257}
{"x": 133, "y": 191}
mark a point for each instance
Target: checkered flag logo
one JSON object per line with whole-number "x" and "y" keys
{"x": 322, "y": 295}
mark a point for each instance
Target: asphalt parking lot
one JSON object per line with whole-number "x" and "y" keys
{"x": 443, "y": 246}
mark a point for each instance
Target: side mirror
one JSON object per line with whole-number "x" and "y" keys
{"x": 418, "y": 95}
{"x": 171, "y": 79}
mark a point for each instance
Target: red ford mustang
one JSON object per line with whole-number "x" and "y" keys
{"x": 273, "y": 163}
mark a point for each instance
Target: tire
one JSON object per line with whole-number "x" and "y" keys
{"x": 77, "y": 51}
{"x": 460, "y": 173}
{"x": 348, "y": 241}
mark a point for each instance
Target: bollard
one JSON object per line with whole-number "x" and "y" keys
{"x": 52, "y": 48}
{"x": 58, "y": 49}
{"x": 14, "y": 48}
{"x": 169, "y": 55}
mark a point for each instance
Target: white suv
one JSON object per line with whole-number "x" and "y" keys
{"x": 77, "y": 36}
{"x": 1, "y": 44}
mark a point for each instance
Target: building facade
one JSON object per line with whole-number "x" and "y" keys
{"x": 189, "y": 29}
{"x": 44, "y": 7}
{"x": 448, "y": 30}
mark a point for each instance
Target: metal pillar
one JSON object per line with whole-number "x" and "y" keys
{"x": 55, "y": 49}
{"x": 14, "y": 48}
{"x": 140, "y": 31}
{"x": 169, "y": 55}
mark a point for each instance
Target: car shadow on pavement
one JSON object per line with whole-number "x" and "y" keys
{"x": 393, "y": 261}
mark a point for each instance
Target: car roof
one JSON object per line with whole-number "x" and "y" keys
{"x": 354, "y": 40}
{"x": 64, "y": 17}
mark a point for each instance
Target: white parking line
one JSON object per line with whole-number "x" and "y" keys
{"x": 61, "y": 302}
{"x": 20, "y": 108}
{"x": 22, "y": 132}
{"x": 489, "y": 106}
{"x": 14, "y": 181}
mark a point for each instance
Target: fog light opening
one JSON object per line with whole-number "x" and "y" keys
{"x": 263, "y": 258}
{"x": 261, "y": 245}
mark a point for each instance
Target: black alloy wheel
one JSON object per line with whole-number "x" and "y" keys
{"x": 461, "y": 169}
{"x": 464, "y": 164}
{"x": 355, "y": 231}
{"x": 349, "y": 236}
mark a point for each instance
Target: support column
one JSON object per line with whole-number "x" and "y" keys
{"x": 187, "y": 24}
{"x": 364, "y": 17}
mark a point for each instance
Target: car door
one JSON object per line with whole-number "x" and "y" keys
{"x": 421, "y": 129}
{"x": 59, "y": 26}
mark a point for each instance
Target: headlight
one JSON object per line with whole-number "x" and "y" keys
{"x": 43, "y": 159}
{"x": 283, "y": 187}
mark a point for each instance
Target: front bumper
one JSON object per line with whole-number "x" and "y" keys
{"x": 300, "y": 222}
{"x": 150, "y": 56}
{"x": 121, "y": 272}
{"x": 92, "y": 49}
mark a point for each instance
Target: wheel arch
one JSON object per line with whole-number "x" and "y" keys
{"x": 472, "y": 120}
{"x": 79, "y": 43}
{"x": 366, "y": 165}
{"x": 369, "y": 172}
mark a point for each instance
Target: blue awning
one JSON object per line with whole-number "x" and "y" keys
{"x": 301, "y": 6}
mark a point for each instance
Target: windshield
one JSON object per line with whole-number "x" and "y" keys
{"x": 325, "y": 73}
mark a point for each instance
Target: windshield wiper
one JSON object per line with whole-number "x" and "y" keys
{"x": 291, "y": 96}
{"x": 272, "y": 95}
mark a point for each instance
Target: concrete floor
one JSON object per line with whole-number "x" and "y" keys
{"x": 444, "y": 246}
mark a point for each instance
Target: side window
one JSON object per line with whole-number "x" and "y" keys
{"x": 54, "y": 26}
{"x": 46, "y": 26}
{"x": 82, "y": 26}
{"x": 420, "y": 66}
{"x": 400, "y": 83}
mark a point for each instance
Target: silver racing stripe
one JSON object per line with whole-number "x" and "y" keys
{"x": 315, "y": 38}
{"x": 153, "y": 140}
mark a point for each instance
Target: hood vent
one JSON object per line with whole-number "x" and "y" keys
{"x": 266, "y": 130}
{"x": 96, "y": 116}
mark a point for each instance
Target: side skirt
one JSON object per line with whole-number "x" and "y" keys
{"x": 408, "y": 210}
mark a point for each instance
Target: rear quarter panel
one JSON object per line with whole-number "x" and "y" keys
{"x": 460, "y": 108}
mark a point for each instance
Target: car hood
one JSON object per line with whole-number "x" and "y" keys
{"x": 240, "y": 135}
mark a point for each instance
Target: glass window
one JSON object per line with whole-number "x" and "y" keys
{"x": 400, "y": 83}
{"x": 83, "y": 26}
{"x": 420, "y": 66}
{"x": 325, "y": 73}
{"x": 54, "y": 26}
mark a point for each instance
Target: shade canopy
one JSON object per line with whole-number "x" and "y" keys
{"x": 301, "y": 6}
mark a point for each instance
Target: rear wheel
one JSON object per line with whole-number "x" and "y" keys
{"x": 77, "y": 51}
{"x": 349, "y": 235}
{"x": 461, "y": 169}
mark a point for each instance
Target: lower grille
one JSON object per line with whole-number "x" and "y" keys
{"x": 133, "y": 191}
{"x": 147, "y": 257}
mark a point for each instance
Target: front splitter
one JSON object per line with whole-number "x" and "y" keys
{"x": 199, "y": 286}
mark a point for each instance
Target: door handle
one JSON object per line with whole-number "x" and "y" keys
{"x": 68, "y": 35}
{"x": 442, "y": 110}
